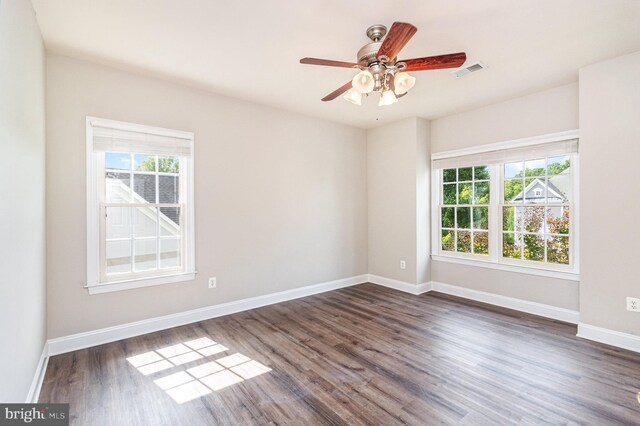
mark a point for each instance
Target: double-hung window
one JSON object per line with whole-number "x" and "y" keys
{"x": 513, "y": 205}
{"x": 140, "y": 222}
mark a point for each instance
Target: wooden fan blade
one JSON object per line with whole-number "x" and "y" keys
{"x": 399, "y": 35}
{"x": 328, "y": 63}
{"x": 453, "y": 60}
{"x": 331, "y": 96}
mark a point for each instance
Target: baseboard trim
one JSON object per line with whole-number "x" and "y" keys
{"x": 38, "y": 377}
{"x": 400, "y": 285}
{"x": 609, "y": 337}
{"x": 88, "y": 339}
{"x": 548, "y": 311}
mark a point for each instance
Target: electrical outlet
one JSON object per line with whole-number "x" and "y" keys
{"x": 403, "y": 264}
{"x": 212, "y": 282}
{"x": 633, "y": 304}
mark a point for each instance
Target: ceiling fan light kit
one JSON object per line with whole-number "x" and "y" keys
{"x": 353, "y": 96}
{"x": 380, "y": 69}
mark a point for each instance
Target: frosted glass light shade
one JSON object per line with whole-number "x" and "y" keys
{"x": 387, "y": 98}
{"x": 353, "y": 96}
{"x": 363, "y": 82}
{"x": 403, "y": 82}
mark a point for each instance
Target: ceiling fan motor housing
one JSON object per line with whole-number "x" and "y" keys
{"x": 367, "y": 54}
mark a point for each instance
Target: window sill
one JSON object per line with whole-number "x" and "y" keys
{"x": 140, "y": 282}
{"x": 565, "y": 275}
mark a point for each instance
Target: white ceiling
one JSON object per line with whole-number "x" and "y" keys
{"x": 250, "y": 49}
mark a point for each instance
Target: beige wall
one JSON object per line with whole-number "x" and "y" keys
{"x": 549, "y": 111}
{"x": 398, "y": 179}
{"x": 281, "y": 199}
{"x": 545, "y": 112}
{"x": 609, "y": 173}
{"x": 22, "y": 217}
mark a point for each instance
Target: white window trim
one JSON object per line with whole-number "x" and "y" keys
{"x": 494, "y": 260}
{"x": 94, "y": 284}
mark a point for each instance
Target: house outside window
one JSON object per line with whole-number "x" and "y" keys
{"x": 530, "y": 216}
{"x": 140, "y": 219}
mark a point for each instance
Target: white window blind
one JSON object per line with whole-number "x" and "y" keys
{"x": 115, "y": 139}
{"x": 498, "y": 156}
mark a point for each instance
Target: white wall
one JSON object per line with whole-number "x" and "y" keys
{"x": 281, "y": 199}
{"x": 398, "y": 185}
{"x": 610, "y": 172}
{"x": 22, "y": 218}
{"x": 545, "y": 112}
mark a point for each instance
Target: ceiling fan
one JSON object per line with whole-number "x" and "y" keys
{"x": 381, "y": 71}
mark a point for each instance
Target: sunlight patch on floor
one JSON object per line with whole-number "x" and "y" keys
{"x": 199, "y": 380}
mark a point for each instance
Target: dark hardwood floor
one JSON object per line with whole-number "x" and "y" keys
{"x": 360, "y": 355}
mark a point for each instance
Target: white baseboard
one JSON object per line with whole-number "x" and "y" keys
{"x": 111, "y": 334}
{"x": 534, "y": 308}
{"x": 38, "y": 377}
{"x": 400, "y": 285}
{"x": 609, "y": 337}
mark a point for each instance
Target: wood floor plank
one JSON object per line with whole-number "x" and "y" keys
{"x": 363, "y": 355}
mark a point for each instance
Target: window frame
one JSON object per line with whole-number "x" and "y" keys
{"x": 96, "y": 203}
{"x": 495, "y": 260}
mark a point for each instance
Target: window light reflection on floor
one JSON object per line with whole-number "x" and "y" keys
{"x": 200, "y": 380}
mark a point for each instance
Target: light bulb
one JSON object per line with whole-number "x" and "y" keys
{"x": 363, "y": 82}
{"x": 403, "y": 82}
{"x": 353, "y": 96}
{"x": 387, "y": 98}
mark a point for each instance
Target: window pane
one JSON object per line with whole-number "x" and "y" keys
{"x": 481, "y": 192}
{"x": 536, "y": 191}
{"x": 447, "y": 240}
{"x": 170, "y": 221}
{"x": 464, "y": 193}
{"x": 169, "y": 252}
{"x": 559, "y": 190}
{"x": 511, "y": 245}
{"x": 145, "y": 222}
{"x": 464, "y": 241}
{"x": 512, "y": 170}
{"x": 117, "y": 161}
{"x": 535, "y": 167}
{"x": 513, "y": 191}
{"x": 144, "y": 187}
{"x": 481, "y": 217}
{"x": 558, "y": 220}
{"x": 118, "y": 222}
{"x": 118, "y": 187}
{"x": 533, "y": 247}
{"x": 557, "y": 165}
{"x": 168, "y": 164}
{"x": 143, "y": 162}
{"x": 118, "y": 257}
{"x": 145, "y": 254}
{"x": 533, "y": 218}
{"x": 481, "y": 242}
{"x": 512, "y": 219}
{"x": 465, "y": 174}
{"x": 463, "y": 217}
{"x": 558, "y": 250}
{"x": 169, "y": 189}
{"x": 449, "y": 193}
{"x": 449, "y": 175}
{"x": 481, "y": 173}
{"x": 448, "y": 217}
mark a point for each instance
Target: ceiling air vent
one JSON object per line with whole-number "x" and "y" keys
{"x": 466, "y": 70}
